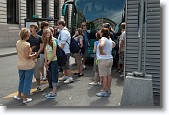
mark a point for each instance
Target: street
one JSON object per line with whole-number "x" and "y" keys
{"x": 78, "y": 93}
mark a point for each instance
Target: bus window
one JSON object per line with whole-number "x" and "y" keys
{"x": 95, "y": 13}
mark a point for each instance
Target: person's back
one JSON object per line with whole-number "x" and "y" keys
{"x": 23, "y": 62}
{"x": 107, "y": 49}
{"x": 25, "y": 66}
{"x": 64, "y": 37}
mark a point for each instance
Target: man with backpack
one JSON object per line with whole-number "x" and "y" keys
{"x": 64, "y": 41}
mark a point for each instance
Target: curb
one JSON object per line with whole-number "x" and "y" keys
{"x": 8, "y": 54}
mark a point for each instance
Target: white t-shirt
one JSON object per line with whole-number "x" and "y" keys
{"x": 106, "y": 49}
{"x": 64, "y": 36}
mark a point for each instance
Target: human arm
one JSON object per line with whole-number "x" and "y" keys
{"x": 81, "y": 41}
{"x": 45, "y": 58}
{"x": 64, "y": 38}
{"x": 94, "y": 48}
{"x": 122, "y": 41}
{"x": 28, "y": 52}
{"x": 40, "y": 49}
{"x": 101, "y": 46}
{"x": 113, "y": 44}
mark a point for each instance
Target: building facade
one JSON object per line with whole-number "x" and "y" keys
{"x": 14, "y": 12}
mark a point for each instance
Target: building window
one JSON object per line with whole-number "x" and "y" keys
{"x": 56, "y": 10}
{"x": 12, "y": 12}
{"x": 45, "y": 8}
{"x": 30, "y": 8}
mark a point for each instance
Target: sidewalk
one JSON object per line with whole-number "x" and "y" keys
{"x": 8, "y": 51}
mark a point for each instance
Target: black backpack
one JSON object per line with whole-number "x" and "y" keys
{"x": 74, "y": 46}
{"x": 61, "y": 56}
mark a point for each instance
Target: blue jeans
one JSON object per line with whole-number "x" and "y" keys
{"x": 25, "y": 81}
{"x": 53, "y": 70}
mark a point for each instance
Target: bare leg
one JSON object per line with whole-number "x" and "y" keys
{"x": 19, "y": 94}
{"x": 109, "y": 81}
{"x": 42, "y": 70}
{"x": 96, "y": 77}
{"x": 105, "y": 85}
{"x": 81, "y": 69}
{"x": 24, "y": 97}
{"x": 38, "y": 81}
{"x": 54, "y": 90}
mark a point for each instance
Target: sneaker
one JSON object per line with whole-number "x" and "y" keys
{"x": 121, "y": 75}
{"x": 16, "y": 97}
{"x": 80, "y": 75}
{"x": 50, "y": 93}
{"x": 84, "y": 67}
{"x": 69, "y": 80}
{"x": 99, "y": 83}
{"x": 27, "y": 100}
{"x": 109, "y": 91}
{"x": 50, "y": 96}
{"x": 41, "y": 78}
{"x": 63, "y": 78}
{"x": 102, "y": 94}
{"x": 76, "y": 73}
{"x": 39, "y": 89}
{"x": 92, "y": 83}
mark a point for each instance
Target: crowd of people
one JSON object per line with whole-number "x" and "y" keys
{"x": 38, "y": 49}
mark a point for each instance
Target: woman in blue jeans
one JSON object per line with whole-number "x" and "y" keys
{"x": 25, "y": 65}
{"x": 51, "y": 63}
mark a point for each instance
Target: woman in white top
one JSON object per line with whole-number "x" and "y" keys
{"x": 105, "y": 61}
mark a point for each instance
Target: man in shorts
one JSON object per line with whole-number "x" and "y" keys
{"x": 122, "y": 46}
{"x": 37, "y": 46}
{"x": 63, "y": 38}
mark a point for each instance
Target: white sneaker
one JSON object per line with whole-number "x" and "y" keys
{"x": 27, "y": 100}
{"x": 16, "y": 97}
{"x": 63, "y": 78}
{"x": 99, "y": 83}
{"x": 92, "y": 83}
{"x": 69, "y": 80}
{"x": 43, "y": 78}
{"x": 84, "y": 67}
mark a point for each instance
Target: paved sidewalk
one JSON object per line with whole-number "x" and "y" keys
{"x": 8, "y": 51}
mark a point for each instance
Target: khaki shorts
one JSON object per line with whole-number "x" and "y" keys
{"x": 41, "y": 60}
{"x": 36, "y": 68}
{"x": 78, "y": 58}
{"x": 121, "y": 58}
{"x": 67, "y": 65}
{"x": 105, "y": 67}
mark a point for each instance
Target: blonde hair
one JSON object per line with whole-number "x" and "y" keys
{"x": 50, "y": 41}
{"x": 24, "y": 32}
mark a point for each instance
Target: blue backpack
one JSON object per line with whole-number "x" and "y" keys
{"x": 74, "y": 46}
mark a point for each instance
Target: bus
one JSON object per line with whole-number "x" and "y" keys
{"x": 95, "y": 13}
